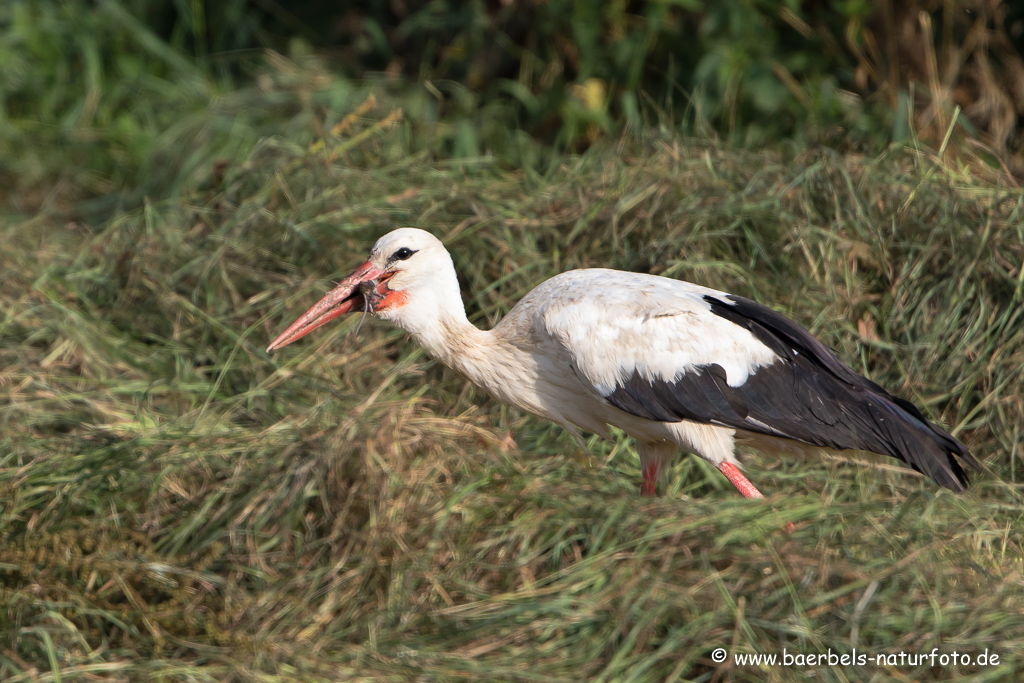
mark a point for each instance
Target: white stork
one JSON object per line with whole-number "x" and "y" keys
{"x": 672, "y": 364}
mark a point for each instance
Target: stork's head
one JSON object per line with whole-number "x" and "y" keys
{"x": 409, "y": 279}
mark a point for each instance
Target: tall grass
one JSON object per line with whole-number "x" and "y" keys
{"x": 177, "y": 505}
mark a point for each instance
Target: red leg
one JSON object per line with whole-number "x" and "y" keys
{"x": 736, "y": 478}
{"x": 650, "y": 482}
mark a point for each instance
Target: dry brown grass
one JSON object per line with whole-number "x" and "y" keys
{"x": 964, "y": 76}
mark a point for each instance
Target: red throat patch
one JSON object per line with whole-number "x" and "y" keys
{"x": 389, "y": 298}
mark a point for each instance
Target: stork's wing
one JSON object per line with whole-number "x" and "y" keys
{"x": 666, "y": 350}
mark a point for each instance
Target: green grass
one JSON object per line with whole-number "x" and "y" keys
{"x": 177, "y": 505}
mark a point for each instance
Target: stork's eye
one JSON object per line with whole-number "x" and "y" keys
{"x": 402, "y": 254}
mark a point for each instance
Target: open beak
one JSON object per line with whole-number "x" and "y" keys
{"x": 350, "y": 295}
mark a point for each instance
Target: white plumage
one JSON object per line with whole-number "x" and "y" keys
{"x": 670, "y": 363}
{"x": 659, "y": 327}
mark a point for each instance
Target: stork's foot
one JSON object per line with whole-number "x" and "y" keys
{"x": 736, "y": 478}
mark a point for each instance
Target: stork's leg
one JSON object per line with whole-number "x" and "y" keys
{"x": 649, "y": 485}
{"x": 654, "y": 462}
{"x": 736, "y": 478}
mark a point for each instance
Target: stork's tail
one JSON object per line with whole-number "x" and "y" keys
{"x": 926, "y": 447}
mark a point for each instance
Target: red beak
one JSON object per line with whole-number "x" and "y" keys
{"x": 347, "y": 297}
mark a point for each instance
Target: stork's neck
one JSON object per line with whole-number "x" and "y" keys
{"x": 484, "y": 357}
{"x": 488, "y": 359}
{"x": 435, "y": 316}
{"x": 459, "y": 344}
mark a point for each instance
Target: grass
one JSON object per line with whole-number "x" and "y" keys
{"x": 177, "y": 505}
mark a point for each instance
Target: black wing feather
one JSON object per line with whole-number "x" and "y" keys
{"x": 808, "y": 395}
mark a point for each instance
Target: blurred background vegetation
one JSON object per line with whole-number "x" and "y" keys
{"x": 110, "y": 85}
